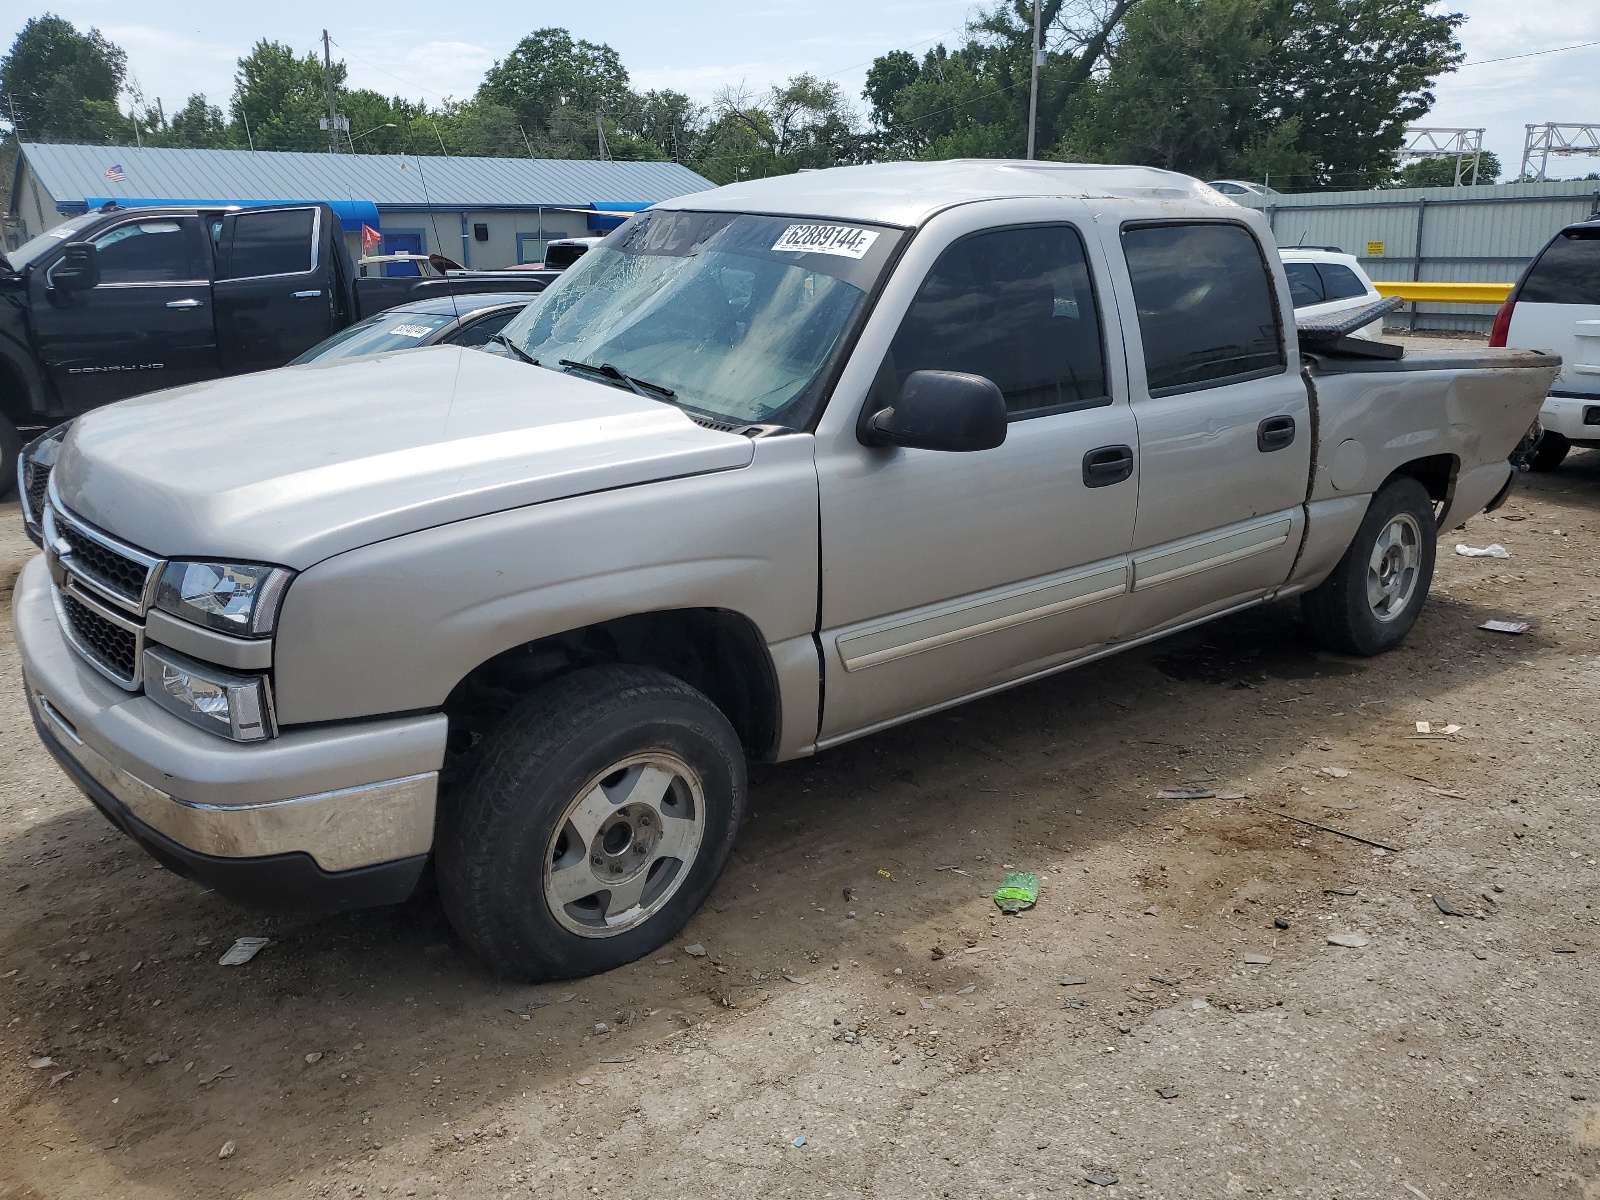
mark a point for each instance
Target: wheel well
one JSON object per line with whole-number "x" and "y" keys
{"x": 718, "y": 652}
{"x": 1437, "y": 473}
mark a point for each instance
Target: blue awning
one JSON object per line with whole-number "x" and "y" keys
{"x": 601, "y": 221}
{"x": 353, "y": 214}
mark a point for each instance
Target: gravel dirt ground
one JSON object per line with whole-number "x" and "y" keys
{"x": 1171, "y": 1019}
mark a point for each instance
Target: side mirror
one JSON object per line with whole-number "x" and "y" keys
{"x": 942, "y": 410}
{"x": 77, "y": 270}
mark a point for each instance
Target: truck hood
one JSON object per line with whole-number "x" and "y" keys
{"x": 294, "y": 465}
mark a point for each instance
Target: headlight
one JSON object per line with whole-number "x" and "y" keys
{"x": 237, "y": 598}
{"x": 230, "y": 705}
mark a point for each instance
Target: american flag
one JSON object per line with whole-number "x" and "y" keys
{"x": 115, "y": 175}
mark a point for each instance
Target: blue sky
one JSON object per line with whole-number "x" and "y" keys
{"x": 432, "y": 50}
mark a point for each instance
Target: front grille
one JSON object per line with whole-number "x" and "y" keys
{"x": 36, "y": 478}
{"x": 117, "y": 573}
{"x": 115, "y": 647}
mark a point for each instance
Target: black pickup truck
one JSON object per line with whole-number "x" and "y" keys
{"x": 122, "y": 301}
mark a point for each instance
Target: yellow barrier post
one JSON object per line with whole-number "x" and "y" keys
{"x": 1444, "y": 293}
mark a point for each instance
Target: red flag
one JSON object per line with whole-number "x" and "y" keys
{"x": 371, "y": 240}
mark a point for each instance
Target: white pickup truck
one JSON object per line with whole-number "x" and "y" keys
{"x": 773, "y": 467}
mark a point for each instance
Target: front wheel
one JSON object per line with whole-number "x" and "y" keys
{"x": 1371, "y": 600}
{"x": 596, "y": 820}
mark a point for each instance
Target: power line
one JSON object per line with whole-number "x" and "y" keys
{"x": 853, "y": 66}
{"x": 390, "y": 74}
{"x": 1482, "y": 62}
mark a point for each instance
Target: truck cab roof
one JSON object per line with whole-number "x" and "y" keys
{"x": 908, "y": 193}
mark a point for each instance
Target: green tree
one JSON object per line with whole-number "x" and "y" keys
{"x": 476, "y": 128}
{"x": 659, "y": 125}
{"x": 1311, "y": 93}
{"x": 198, "y": 125}
{"x": 974, "y": 100}
{"x": 279, "y": 98}
{"x": 1441, "y": 172}
{"x": 64, "y": 85}
{"x": 556, "y": 87}
{"x": 805, "y": 123}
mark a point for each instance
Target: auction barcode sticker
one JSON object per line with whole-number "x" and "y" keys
{"x": 826, "y": 239}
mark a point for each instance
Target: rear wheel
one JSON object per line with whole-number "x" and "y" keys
{"x": 595, "y": 822}
{"x": 1371, "y": 600}
{"x": 1550, "y": 453}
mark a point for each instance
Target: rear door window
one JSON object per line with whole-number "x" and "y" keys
{"x": 1305, "y": 285}
{"x": 272, "y": 242}
{"x": 1340, "y": 282}
{"x": 1016, "y": 306}
{"x": 1207, "y": 315}
{"x": 167, "y": 250}
{"x": 1568, "y": 272}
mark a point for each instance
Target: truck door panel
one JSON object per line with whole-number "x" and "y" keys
{"x": 1224, "y": 423}
{"x": 945, "y": 574}
{"x": 275, "y": 289}
{"x": 147, "y": 325}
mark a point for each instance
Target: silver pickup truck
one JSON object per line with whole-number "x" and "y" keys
{"x": 773, "y": 467}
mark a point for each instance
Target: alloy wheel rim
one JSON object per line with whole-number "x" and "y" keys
{"x": 1394, "y": 566}
{"x": 624, "y": 845}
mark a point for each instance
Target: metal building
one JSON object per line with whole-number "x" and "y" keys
{"x": 1482, "y": 234}
{"x": 482, "y": 212}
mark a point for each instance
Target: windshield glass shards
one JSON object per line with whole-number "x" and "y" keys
{"x": 732, "y": 315}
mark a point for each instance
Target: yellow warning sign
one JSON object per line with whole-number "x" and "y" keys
{"x": 1374, "y": 249}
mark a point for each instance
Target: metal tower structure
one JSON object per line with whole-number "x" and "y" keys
{"x": 1463, "y": 145}
{"x": 1541, "y": 141}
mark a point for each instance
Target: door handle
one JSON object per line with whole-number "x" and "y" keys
{"x": 308, "y": 295}
{"x": 1106, "y": 465}
{"x": 1274, "y": 434}
{"x": 190, "y": 303}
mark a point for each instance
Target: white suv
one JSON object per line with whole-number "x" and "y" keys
{"x": 1324, "y": 280}
{"x": 1556, "y": 306}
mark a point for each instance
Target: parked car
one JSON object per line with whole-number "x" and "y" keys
{"x": 562, "y": 253}
{"x": 1325, "y": 281}
{"x": 1556, "y": 306}
{"x": 118, "y": 302}
{"x": 442, "y": 321}
{"x": 778, "y": 466}
{"x": 1242, "y": 187}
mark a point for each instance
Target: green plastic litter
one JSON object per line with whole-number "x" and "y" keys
{"x": 1017, "y": 891}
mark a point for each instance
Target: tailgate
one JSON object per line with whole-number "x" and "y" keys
{"x": 1570, "y": 330}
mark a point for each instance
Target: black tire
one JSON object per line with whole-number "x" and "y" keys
{"x": 497, "y": 834}
{"x": 1550, "y": 453}
{"x": 10, "y": 447}
{"x": 1339, "y": 611}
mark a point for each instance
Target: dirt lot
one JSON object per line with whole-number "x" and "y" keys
{"x": 921, "y": 1044}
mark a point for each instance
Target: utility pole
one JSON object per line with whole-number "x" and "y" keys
{"x": 327, "y": 87}
{"x": 161, "y": 113}
{"x": 1033, "y": 87}
{"x": 600, "y": 132}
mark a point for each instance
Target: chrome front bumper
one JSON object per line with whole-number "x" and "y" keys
{"x": 347, "y": 796}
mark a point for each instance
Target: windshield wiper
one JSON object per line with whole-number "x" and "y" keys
{"x": 641, "y": 387}
{"x": 514, "y": 348}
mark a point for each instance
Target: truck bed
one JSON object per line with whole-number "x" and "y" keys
{"x": 1466, "y": 408}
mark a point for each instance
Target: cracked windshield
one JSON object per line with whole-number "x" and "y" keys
{"x": 729, "y": 315}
